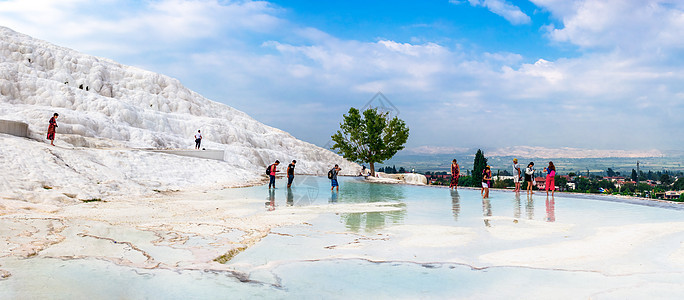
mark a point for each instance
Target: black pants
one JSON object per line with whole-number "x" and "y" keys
{"x": 197, "y": 143}
{"x": 290, "y": 178}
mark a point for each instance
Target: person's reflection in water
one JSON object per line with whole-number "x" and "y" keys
{"x": 529, "y": 207}
{"x": 290, "y": 197}
{"x": 550, "y": 209}
{"x": 517, "y": 208}
{"x": 486, "y": 211}
{"x": 270, "y": 204}
{"x": 333, "y": 197}
{"x": 455, "y": 203}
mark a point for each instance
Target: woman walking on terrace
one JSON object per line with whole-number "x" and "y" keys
{"x": 455, "y": 172}
{"x": 550, "y": 178}
{"x": 52, "y": 128}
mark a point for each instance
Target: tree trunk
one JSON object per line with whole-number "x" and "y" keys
{"x": 372, "y": 168}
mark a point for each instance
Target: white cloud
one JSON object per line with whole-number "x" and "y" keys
{"x": 245, "y": 54}
{"x": 133, "y": 26}
{"x": 628, "y": 25}
{"x": 508, "y": 11}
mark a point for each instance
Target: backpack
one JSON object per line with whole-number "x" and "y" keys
{"x": 268, "y": 170}
{"x": 330, "y": 174}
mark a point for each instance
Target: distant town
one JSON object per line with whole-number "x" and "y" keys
{"x": 665, "y": 185}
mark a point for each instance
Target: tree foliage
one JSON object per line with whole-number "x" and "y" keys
{"x": 679, "y": 184}
{"x": 479, "y": 165}
{"x": 371, "y": 138}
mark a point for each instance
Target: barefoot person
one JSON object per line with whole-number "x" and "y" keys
{"x": 516, "y": 175}
{"x": 550, "y": 178}
{"x": 486, "y": 181}
{"x": 52, "y": 128}
{"x": 272, "y": 169}
{"x": 290, "y": 172}
{"x": 529, "y": 177}
{"x": 333, "y": 178}
{"x": 455, "y": 172}
{"x": 198, "y": 139}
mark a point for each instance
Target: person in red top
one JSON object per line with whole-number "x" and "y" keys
{"x": 455, "y": 172}
{"x": 550, "y": 178}
{"x": 272, "y": 172}
{"x": 52, "y": 128}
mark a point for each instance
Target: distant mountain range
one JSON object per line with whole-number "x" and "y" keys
{"x": 540, "y": 152}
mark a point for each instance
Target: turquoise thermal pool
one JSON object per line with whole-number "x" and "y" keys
{"x": 407, "y": 242}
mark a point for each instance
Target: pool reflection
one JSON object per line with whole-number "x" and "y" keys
{"x": 550, "y": 209}
{"x": 455, "y": 204}
{"x": 529, "y": 207}
{"x": 270, "y": 204}
{"x": 361, "y": 192}
{"x": 371, "y": 221}
{"x": 486, "y": 211}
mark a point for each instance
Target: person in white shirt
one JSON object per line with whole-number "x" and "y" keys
{"x": 198, "y": 139}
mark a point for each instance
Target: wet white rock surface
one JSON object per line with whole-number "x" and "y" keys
{"x": 370, "y": 239}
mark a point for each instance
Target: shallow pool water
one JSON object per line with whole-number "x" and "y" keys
{"x": 423, "y": 242}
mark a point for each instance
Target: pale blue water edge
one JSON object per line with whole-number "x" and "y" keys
{"x": 361, "y": 255}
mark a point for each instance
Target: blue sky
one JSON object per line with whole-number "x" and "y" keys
{"x": 595, "y": 74}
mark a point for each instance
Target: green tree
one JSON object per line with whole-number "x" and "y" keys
{"x": 370, "y": 139}
{"x": 583, "y": 184}
{"x": 642, "y": 186}
{"x": 635, "y": 177}
{"x": 465, "y": 181}
{"x": 562, "y": 182}
{"x": 665, "y": 179}
{"x": 679, "y": 184}
{"x": 479, "y": 164}
{"x": 610, "y": 172}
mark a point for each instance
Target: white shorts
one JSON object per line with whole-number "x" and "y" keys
{"x": 484, "y": 185}
{"x": 516, "y": 179}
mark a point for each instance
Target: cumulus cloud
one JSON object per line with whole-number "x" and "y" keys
{"x": 248, "y": 55}
{"x": 630, "y": 25}
{"x": 115, "y": 27}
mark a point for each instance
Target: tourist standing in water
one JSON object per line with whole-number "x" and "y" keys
{"x": 550, "y": 178}
{"x": 290, "y": 172}
{"x": 455, "y": 172}
{"x": 516, "y": 175}
{"x": 272, "y": 169}
{"x": 529, "y": 177}
{"x": 52, "y": 128}
{"x": 333, "y": 178}
{"x": 198, "y": 139}
{"x": 486, "y": 181}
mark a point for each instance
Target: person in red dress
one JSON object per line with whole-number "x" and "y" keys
{"x": 455, "y": 172}
{"x": 51, "y": 129}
